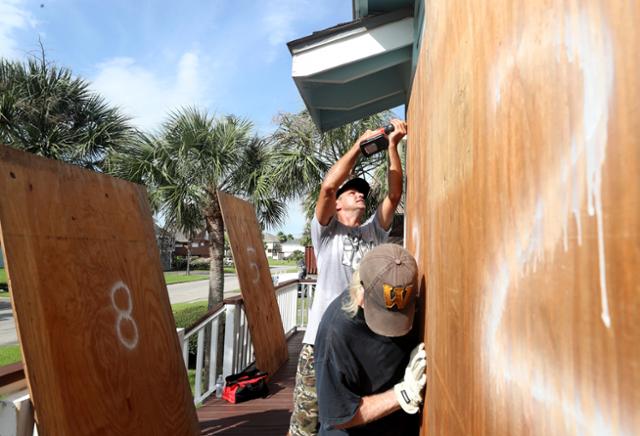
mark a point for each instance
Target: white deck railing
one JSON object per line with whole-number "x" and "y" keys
{"x": 231, "y": 346}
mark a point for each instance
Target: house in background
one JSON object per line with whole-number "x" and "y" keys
{"x": 272, "y": 246}
{"x": 289, "y": 247}
{"x": 275, "y": 249}
{"x": 199, "y": 245}
{"x": 1, "y": 260}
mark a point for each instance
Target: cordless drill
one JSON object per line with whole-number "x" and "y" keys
{"x": 376, "y": 142}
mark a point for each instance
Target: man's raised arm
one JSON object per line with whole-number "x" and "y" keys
{"x": 394, "y": 178}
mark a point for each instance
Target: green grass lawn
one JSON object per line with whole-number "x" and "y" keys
{"x": 276, "y": 262}
{"x": 181, "y": 277}
{"x": 10, "y": 354}
{"x": 3, "y": 276}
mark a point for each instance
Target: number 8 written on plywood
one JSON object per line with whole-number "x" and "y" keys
{"x": 129, "y": 340}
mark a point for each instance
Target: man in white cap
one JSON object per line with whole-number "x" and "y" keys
{"x": 340, "y": 238}
{"x": 369, "y": 381}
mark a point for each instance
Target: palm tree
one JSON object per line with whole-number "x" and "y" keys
{"x": 305, "y": 155}
{"x": 184, "y": 167}
{"x": 46, "y": 111}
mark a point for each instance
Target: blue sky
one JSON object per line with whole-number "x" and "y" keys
{"x": 150, "y": 57}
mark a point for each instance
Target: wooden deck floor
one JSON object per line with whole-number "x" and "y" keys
{"x": 263, "y": 416}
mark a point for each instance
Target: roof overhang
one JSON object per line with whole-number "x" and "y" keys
{"x": 355, "y": 69}
{"x": 362, "y": 8}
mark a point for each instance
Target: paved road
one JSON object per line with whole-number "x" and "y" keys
{"x": 178, "y": 293}
{"x": 194, "y": 291}
{"x": 7, "y": 326}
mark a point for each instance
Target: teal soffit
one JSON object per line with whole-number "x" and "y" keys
{"x": 362, "y": 8}
{"x": 355, "y": 69}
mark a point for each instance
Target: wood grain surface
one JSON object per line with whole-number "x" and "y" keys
{"x": 91, "y": 307}
{"x": 523, "y": 209}
{"x": 256, "y": 286}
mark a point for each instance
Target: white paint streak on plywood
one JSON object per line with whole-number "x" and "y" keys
{"x": 588, "y": 44}
{"x": 591, "y": 50}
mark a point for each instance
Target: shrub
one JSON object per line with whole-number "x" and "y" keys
{"x": 200, "y": 263}
{"x": 179, "y": 263}
{"x": 197, "y": 263}
{"x": 186, "y": 314}
{"x": 297, "y": 255}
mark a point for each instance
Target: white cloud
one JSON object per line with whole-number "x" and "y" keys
{"x": 13, "y": 17}
{"x": 149, "y": 95}
{"x": 279, "y": 22}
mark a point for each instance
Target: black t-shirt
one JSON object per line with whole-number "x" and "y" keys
{"x": 352, "y": 362}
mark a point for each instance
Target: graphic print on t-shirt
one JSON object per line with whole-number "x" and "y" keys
{"x": 354, "y": 248}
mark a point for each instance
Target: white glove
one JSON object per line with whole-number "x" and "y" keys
{"x": 409, "y": 390}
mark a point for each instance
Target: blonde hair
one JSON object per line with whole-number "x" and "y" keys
{"x": 356, "y": 290}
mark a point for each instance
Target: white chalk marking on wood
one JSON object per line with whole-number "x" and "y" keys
{"x": 593, "y": 52}
{"x": 124, "y": 315}
{"x": 581, "y": 45}
{"x": 253, "y": 265}
{"x": 415, "y": 234}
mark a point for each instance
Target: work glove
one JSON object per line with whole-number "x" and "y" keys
{"x": 409, "y": 390}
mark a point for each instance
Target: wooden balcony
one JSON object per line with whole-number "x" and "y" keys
{"x": 263, "y": 416}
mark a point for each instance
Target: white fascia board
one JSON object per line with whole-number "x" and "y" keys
{"x": 361, "y": 104}
{"x": 351, "y": 46}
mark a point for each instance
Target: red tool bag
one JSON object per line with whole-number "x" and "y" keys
{"x": 244, "y": 386}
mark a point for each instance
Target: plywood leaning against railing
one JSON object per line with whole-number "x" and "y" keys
{"x": 256, "y": 284}
{"x": 92, "y": 312}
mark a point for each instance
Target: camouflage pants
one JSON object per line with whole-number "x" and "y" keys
{"x": 304, "y": 419}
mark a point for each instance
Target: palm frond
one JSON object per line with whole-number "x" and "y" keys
{"x": 46, "y": 111}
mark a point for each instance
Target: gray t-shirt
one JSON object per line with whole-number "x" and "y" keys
{"x": 338, "y": 250}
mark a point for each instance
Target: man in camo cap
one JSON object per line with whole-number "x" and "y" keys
{"x": 369, "y": 381}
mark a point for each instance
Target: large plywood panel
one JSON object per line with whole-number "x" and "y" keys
{"x": 523, "y": 210}
{"x": 258, "y": 294}
{"x": 91, "y": 307}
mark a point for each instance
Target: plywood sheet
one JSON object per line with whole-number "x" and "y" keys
{"x": 523, "y": 209}
{"x": 256, "y": 285}
{"x": 91, "y": 306}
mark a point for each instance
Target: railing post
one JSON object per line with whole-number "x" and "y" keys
{"x": 199, "y": 361}
{"x": 25, "y": 418}
{"x": 16, "y": 417}
{"x": 213, "y": 354}
{"x": 184, "y": 350}
{"x": 229, "y": 339}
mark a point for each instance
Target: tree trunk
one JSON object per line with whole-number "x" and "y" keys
{"x": 188, "y": 257}
{"x": 215, "y": 227}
